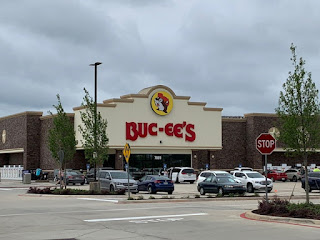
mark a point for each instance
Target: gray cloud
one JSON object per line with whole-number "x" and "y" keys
{"x": 230, "y": 54}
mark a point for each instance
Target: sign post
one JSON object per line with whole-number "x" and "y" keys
{"x": 265, "y": 144}
{"x": 126, "y": 153}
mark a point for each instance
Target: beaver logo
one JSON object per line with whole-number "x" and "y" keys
{"x": 161, "y": 103}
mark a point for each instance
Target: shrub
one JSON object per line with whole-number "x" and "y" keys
{"x": 70, "y": 191}
{"x": 140, "y": 197}
{"x": 152, "y": 197}
{"x": 197, "y": 196}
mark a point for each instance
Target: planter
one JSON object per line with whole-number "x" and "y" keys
{"x": 94, "y": 186}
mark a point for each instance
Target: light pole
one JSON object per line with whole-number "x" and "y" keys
{"x": 95, "y": 113}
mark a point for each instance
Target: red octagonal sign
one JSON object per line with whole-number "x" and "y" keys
{"x": 265, "y": 143}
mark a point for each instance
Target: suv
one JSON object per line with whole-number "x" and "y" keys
{"x": 241, "y": 169}
{"x": 115, "y": 180}
{"x": 182, "y": 174}
{"x": 253, "y": 180}
{"x": 293, "y": 174}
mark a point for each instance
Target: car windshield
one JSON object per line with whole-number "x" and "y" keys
{"x": 160, "y": 178}
{"x": 120, "y": 175}
{"x": 255, "y": 175}
{"x": 225, "y": 180}
{"x": 223, "y": 174}
{"x": 188, "y": 170}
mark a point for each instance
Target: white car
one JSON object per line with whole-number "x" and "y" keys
{"x": 241, "y": 169}
{"x": 253, "y": 180}
{"x": 182, "y": 174}
{"x": 207, "y": 173}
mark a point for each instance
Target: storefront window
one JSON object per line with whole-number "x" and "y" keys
{"x": 144, "y": 164}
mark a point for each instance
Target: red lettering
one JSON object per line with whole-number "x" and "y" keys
{"x": 177, "y": 130}
{"x": 190, "y": 134}
{"x": 169, "y": 129}
{"x": 131, "y": 131}
{"x": 143, "y": 131}
{"x": 151, "y": 131}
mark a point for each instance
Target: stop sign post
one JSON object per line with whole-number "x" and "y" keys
{"x": 265, "y": 144}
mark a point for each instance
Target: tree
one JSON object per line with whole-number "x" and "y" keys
{"x": 62, "y": 137}
{"x": 298, "y": 111}
{"x": 94, "y": 133}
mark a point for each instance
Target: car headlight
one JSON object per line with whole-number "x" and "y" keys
{"x": 228, "y": 186}
{"x": 258, "y": 182}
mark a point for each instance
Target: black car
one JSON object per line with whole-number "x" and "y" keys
{"x": 221, "y": 185}
{"x": 75, "y": 177}
{"x": 314, "y": 181}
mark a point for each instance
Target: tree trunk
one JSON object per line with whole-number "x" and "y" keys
{"x": 306, "y": 178}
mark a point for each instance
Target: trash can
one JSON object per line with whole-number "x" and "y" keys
{"x": 27, "y": 178}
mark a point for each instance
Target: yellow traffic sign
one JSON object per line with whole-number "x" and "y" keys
{"x": 126, "y": 152}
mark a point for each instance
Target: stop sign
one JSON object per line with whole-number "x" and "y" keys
{"x": 265, "y": 143}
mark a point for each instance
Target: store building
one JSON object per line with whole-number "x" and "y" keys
{"x": 161, "y": 128}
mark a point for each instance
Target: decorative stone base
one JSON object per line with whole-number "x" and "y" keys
{"x": 94, "y": 186}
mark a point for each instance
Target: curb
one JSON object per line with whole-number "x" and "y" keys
{"x": 293, "y": 221}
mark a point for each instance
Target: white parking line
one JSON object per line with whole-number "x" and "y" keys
{"x": 5, "y": 189}
{"x": 145, "y": 217}
{"x": 97, "y": 199}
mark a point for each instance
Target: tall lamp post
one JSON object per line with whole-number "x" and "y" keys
{"x": 95, "y": 114}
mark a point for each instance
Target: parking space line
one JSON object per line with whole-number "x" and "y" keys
{"x": 5, "y": 189}
{"x": 145, "y": 217}
{"x": 97, "y": 199}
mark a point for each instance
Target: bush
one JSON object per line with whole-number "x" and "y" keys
{"x": 282, "y": 208}
{"x": 70, "y": 191}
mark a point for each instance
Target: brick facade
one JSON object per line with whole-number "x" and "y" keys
{"x": 27, "y": 133}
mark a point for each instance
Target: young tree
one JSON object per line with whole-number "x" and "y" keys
{"x": 62, "y": 137}
{"x": 298, "y": 111}
{"x": 94, "y": 133}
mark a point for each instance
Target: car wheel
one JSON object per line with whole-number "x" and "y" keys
{"x": 74, "y": 183}
{"x": 250, "y": 188}
{"x": 294, "y": 178}
{"x": 177, "y": 180}
{"x": 82, "y": 183}
{"x": 191, "y": 182}
{"x": 150, "y": 191}
{"x": 202, "y": 192}
{"x": 269, "y": 190}
{"x": 273, "y": 180}
{"x": 220, "y": 191}
{"x": 112, "y": 189}
{"x": 284, "y": 180}
{"x": 170, "y": 192}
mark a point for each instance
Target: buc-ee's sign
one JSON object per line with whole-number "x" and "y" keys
{"x": 180, "y": 130}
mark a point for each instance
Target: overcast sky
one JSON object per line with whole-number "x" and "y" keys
{"x": 231, "y": 54}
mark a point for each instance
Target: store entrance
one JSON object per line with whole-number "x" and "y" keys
{"x": 144, "y": 164}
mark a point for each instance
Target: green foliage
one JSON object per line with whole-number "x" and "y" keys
{"x": 299, "y": 110}
{"x": 196, "y": 196}
{"x": 70, "y": 191}
{"x": 151, "y": 197}
{"x": 61, "y": 135}
{"x": 94, "y": 133}
{"x": 140, "y": 197}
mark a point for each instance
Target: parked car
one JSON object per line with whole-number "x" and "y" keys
{"x": 276, "y": 175}
{"x": 156, "y": 183}
{"x": 182, "y": 174}
{"x": 114, "y": 180}
{"x": 293, "y": 174}
{"x": 207, "y": 173}
{"x": 253, "y": 180}
{"x": 221, "y": 185}
{"x": 75, "y": 177}
{"x": 313, "y": 180}
{"x": 241, "y": 169}
{"x": 90, "y": 174}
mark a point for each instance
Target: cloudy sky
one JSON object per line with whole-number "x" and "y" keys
{"x": 231, "y": 54}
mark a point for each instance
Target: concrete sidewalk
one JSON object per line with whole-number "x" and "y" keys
{"x": 7, "y": 183}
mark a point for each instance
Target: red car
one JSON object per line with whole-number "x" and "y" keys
{"x": 275, "y": 175}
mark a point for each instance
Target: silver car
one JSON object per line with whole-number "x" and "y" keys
{"x": 116, "y": 180}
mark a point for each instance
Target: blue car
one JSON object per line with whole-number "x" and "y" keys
{"x": 155, "y": 183}
{"x": 314, "y": 181}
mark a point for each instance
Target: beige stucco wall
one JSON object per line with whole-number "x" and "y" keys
{"x": 207, "y": 124}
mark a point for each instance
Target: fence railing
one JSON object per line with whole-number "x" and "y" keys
{"x": 11, "y": 172}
